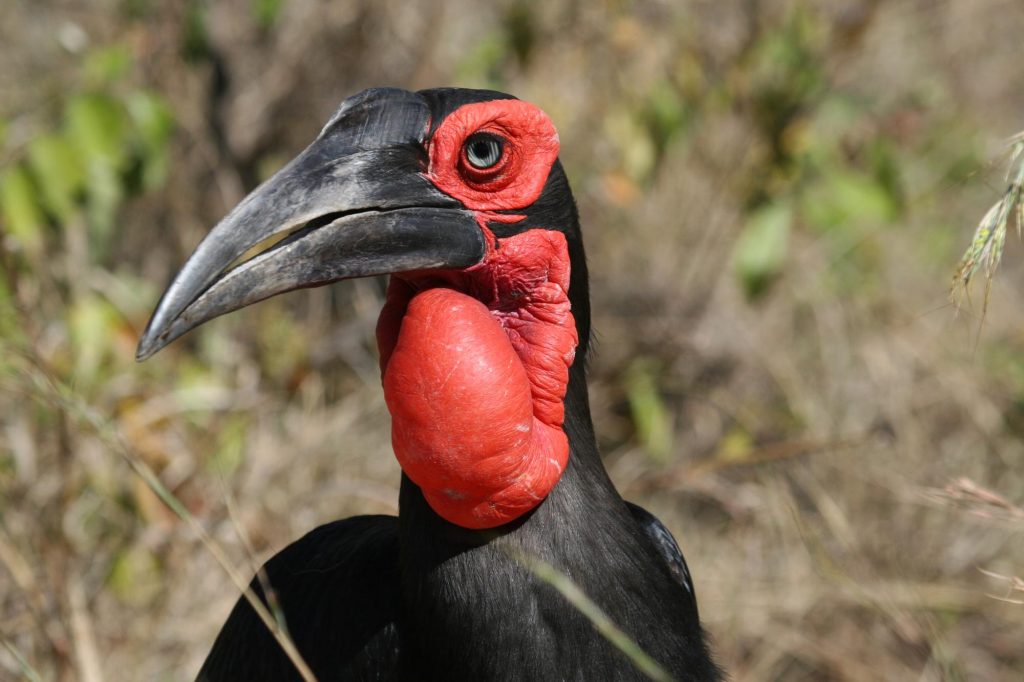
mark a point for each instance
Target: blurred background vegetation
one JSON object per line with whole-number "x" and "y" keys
{"x": 774, "y": 194}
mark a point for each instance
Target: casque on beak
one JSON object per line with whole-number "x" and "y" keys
{"x": 355, "y": 203}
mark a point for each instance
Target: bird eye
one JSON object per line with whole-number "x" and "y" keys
{"x": 483, "y": 150}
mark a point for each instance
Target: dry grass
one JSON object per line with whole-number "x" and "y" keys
{"x": 839, "y": 455}
{"x": 986, "y": 249}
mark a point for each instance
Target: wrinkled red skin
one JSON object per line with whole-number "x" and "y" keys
{"x": 476, "y": 363}
{"x": 476, "y": 366}
{"x": 514, "y": 182}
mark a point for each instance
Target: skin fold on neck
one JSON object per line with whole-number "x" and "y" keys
{"x": 475, "y": 370}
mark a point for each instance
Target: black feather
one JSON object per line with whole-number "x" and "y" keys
{"x": 339, "y": 590}
{"x": 668, "y": 548}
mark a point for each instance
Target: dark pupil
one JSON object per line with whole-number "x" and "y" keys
{"x": 483, "y": 152}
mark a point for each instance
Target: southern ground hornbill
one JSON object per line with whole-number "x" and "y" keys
{"x": 460, "y": 197}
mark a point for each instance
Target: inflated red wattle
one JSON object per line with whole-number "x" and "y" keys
{"x": 475, "y": 369}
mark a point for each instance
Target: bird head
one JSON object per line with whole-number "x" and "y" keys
{"x": 459, "y": 195}
{"x": 396, "y": 182}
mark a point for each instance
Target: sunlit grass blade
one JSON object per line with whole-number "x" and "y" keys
{"x": 1014, "y": 593}
{"x": 27, "y": 670}
{"x": 598, "y": 618}
{"x": 269, "y": 593}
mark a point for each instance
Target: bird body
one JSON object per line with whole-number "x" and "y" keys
{"x": 458, "y": 194}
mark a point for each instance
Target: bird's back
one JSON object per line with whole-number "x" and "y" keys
{"x": 338, "y": 589}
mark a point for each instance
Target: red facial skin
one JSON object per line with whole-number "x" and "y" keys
{"x": 476, "y": 363}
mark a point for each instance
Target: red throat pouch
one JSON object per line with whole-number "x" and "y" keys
{"x": 475, "y": 368}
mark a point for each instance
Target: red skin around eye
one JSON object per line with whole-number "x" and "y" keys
{"x": 531, "y": 147}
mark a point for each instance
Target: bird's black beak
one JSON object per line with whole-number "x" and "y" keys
{"x": 355, "y": 203}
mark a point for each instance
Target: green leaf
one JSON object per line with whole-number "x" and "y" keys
{"x": 92, "y": 323}
{"x": 650, "y": 416}
{"x": 11, "y": 333}
{"x": 266, "y": 11}
{"x": 108, "y": 65}
{"x": 481, "y": 65}
{"x": 761, "y": 249}
{"x": 23, "y": 217}
{"x": 636, "y": 147}
{"x": 136, "y": 9}
{"x": 152, "y": 117}
{"x": 105, "y": 195}
{"x": 131, "y": 295}
{"x": 230, "y": 451}
{"x": 196, "y": 39}
{"x": 154, "y": 124}
{"x": 848, "y": 200}
{"x": 735, "y": 446}
{"x": 97, "y": 125}
{"x": 136, "y": 576}
{"x": 59, "y": 171}
{"x": 521, "y": 32}
{"x": 665, "y": 114}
